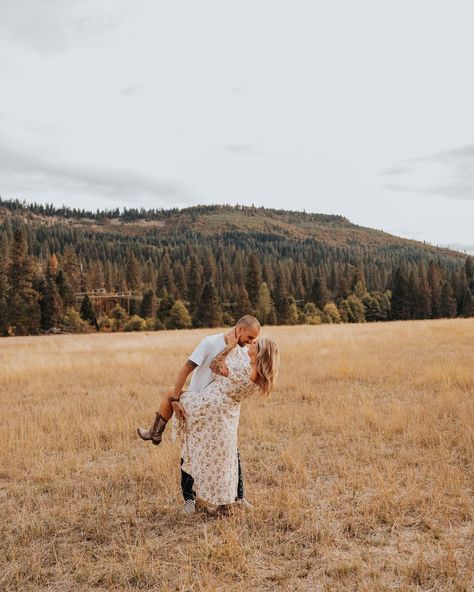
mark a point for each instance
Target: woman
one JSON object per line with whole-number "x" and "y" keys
{"x": 209, "y": 432}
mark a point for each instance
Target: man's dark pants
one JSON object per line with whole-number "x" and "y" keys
{"x": 187, "y": 483}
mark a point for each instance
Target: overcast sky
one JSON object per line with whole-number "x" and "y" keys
{"x": 363, "y": 108}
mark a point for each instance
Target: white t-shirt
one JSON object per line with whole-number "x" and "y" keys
{"x": 203, "y": 355}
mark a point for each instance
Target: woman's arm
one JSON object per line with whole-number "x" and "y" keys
{"x": 218, "y": 364}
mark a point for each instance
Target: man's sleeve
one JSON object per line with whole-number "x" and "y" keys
{"x": 200, "y": 353}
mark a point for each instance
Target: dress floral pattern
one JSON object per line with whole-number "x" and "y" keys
{"x": 209, "y": 434}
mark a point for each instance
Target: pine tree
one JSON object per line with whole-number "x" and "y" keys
{"x": 468, "y": 304}
{"x": 400, "y": 296}
{"x": 165, "y": 282}
{"x": 87, "y": 311}
{"x": 179, "y": 317}
{"x": 423, "y": 305}
{"x": 148, "y": 305}
{"x": 238, "y": 269}
{"x": 360, "y": 289}
{"x": 333, "y": 279}
{"x": 297, "y": 285}
{"x": 133, "y": 308}
{"x": 4, "y": 287}
{"x": 71, "y": 267}
{"x": 459, "y": 284}
{"x": 282, "y": 299}
{"x": 53, "y": 261}
{"x": 164, "y": 308}
{"x": 413, "y": 296}
{"x": 254, "y": 277}
{"x": 434, "y": 281}
{"x": 295, "y": 316}
{"x": 179, "y": 279}
{"x": 227, "y": 278}
{"x": 272, "y": 317}
{"x": 209, "y": 266}
{"x": 51, "y": 303}
{"x": 264, "y": 306}
{"x": 23, "y": 305}
{"x": 65, "y": 290}
{"x": 320, "y": 293}
{"x": 448, "y": 306}
{"x": 469, "y": 270}
{"x": 358, "y": 277}
{"x": 108, "y": 276}
{"x": 97, "y": 279}
{"x": 344, "y": 288}
{"x": 243, "y": 305}
{"x": 208, "y": 312}
{"x": 268, "y": 275}
{"x": 195, "y": 285}
{"x": 132, "y": 272}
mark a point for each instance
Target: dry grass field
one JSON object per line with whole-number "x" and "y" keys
{"x": 360, "y": 466}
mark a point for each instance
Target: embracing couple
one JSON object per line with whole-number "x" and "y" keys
{"x": 226, "y": 369}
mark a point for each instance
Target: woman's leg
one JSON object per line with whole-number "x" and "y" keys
{"x": 163, "y": 414}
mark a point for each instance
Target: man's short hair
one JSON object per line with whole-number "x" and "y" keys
{"x": 248, "y": 321}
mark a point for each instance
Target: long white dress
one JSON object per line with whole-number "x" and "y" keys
{"x": 209, "y": 434}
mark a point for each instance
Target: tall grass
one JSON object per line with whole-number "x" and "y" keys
{"x": 360, "y": 467}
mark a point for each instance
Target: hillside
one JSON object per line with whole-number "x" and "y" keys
{"x": 209, "y": 265}
{"x": 222, "y": 221}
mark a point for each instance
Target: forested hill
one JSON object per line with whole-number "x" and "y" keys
{"x": 219, "y": 221}
{"x": 207, "y": 265}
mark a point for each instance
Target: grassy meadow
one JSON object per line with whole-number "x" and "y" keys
{"x": 360, "y": 466}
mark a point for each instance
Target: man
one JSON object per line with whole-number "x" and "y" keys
{"x": 247, "y": 330}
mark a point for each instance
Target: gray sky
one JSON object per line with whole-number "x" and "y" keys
{"x": 363, "y": 109}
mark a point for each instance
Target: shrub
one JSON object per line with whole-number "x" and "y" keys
{"x": 151, "y": 324}
{"x": 179, "y": 317}
{"x": 104, "y": 323}
{"x": 352, "y": 310}
{"x": 312, "y": 314}
{"x": 331, "y": 313}
{"x": 72, "y": 321}
{"x": 135, "y": 323}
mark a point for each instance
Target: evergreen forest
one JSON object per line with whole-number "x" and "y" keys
{"x": 64, "y": 269}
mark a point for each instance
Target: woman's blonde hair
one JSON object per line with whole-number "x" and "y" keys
{"x": 268, "y": 359}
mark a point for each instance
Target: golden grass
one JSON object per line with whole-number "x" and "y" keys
{"x": 360, "y": 467}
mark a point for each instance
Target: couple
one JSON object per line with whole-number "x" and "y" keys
{"x": 227, "y": 368}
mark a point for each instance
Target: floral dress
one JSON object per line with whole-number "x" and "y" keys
{"x": 209, "y": 434}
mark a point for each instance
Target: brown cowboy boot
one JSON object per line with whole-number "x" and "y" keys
{"x": 155, "y": 433}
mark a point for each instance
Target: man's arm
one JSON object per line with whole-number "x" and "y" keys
{"x": 181, "y": 377}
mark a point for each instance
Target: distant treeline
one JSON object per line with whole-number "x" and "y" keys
{"x": 131, "y": 214}
{"x": 188, "y": 280}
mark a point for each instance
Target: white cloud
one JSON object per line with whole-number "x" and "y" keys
{"x": 22, "y": 173}
{"x": 51, "y": 26}
{"x": 453, "y": 169}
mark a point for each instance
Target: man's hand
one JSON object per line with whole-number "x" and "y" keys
{"x": 179, "y": 410}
